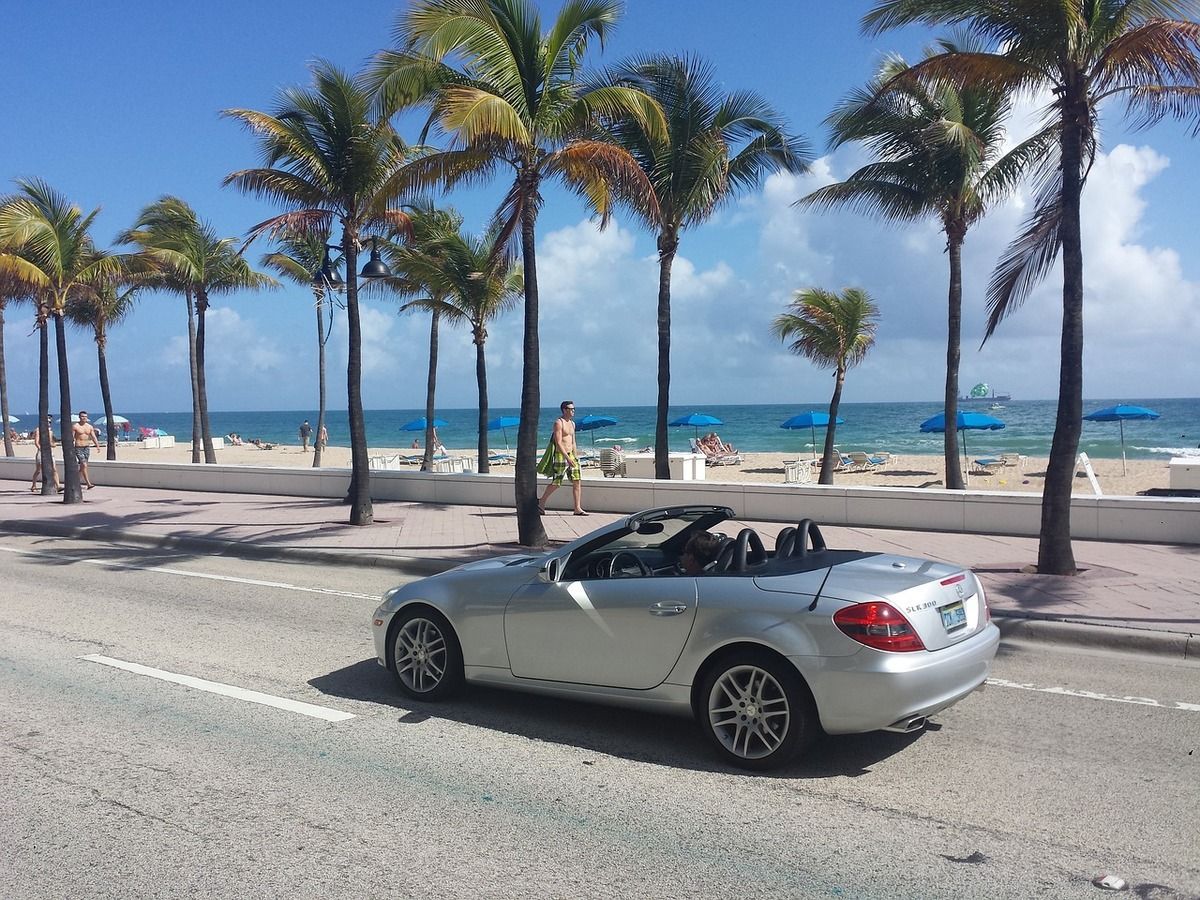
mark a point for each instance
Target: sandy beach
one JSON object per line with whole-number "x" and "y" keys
{"x": 767, "y": 468}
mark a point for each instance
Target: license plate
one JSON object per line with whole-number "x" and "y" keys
{"x": 953, "y": 616}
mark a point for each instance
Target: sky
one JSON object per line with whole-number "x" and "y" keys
{"x": 118, "y": 109}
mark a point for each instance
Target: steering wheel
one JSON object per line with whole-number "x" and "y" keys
{"x": 619, "y": 565}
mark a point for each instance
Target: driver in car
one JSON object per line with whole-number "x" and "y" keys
{"x": 701, "y": 549}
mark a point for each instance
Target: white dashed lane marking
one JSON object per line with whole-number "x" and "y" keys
{"x": 1093, "y": 695}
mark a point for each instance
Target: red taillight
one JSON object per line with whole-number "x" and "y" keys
{"x": 879, "y": 625}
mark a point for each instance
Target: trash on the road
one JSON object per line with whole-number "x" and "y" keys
{"x": 1110, "y": 882}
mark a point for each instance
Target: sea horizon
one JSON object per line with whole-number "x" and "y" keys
{"x": 892, "y": 426}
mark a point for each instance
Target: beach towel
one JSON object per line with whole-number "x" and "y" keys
{"x": 556, "y": 467}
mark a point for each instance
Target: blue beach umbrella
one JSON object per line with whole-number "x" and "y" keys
{"x": 811, "y": 420}
{"x": 967, "y": 421}
{"x": 591, "y": 423}
{"x": 503, "y": 423}
{"x": 1120, "y": 413}
{"x": 419, "y": 424}
{"x": 696, "y": 420}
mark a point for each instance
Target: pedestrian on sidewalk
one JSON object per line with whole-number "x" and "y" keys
{"x": 560, "y": 460}
{"x": 37, "y": 457}
{"x": 82, "y": 432}
{"x": 305, "y": 434}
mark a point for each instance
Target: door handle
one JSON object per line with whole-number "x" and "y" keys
{"x": 667, "y": 608}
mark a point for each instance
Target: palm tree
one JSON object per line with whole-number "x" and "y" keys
{"x": 12, "y": 291}
{"x": 51, "y": 249}
{"x": 301, "y": 259}
{"x": 938, "y": 152}
{"x": 1082, "y": 52}
{"x": 109, "y": 304}
{"x": 328, "y": 157}
{"x": 834, "y": 331}
{"x": 193, "y": 260}
{"x": 517, "y": 99}
{"x": 467, "y": 280}
{"x": 693, "y": 169}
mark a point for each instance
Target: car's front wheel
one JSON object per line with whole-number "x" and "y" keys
{"x": 756, "y": 711}
{"x": 426, "y": 656}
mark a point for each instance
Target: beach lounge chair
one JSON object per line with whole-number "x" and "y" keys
{"x": 500, "y": 458}
{"x": 715, "y": 459}
{"x": 987, "y": 465}
{"x": 611, "y": 463}
{"x": 1013, "y": 459}
{"x": 863, "y": 463}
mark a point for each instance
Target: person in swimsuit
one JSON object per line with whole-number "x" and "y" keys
{"x": 82, "y": 432}
{"x": 560, "y": 460}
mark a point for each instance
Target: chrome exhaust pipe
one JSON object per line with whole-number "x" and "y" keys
{"x": 907, "y": 726}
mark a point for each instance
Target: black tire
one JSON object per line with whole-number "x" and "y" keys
{"x": 426, "y": 657}
{"x": 756, "y": 710}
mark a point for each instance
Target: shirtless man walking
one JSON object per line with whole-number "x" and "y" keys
{"x": 560, "y": 460}
{"x": 37, "y": 457}
{"x": 82, "y": 432}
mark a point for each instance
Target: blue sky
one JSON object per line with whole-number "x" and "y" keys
{"x": 117, "y": 109}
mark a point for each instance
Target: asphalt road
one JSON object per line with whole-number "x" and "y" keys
{"x": 115, "y": 784}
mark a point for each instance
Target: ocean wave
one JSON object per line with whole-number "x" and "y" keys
{"x": 1170, "y": 451}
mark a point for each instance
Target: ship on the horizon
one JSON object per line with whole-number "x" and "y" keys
{"x": 982, "y": 393}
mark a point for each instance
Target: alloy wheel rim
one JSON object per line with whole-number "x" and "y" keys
{"x": 749, "y": 712}
{"x": 420, "y": 655}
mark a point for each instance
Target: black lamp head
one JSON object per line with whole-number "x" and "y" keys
{"x": 376, "y": 267}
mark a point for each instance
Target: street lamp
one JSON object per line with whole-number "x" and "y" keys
{"x": 327, "y": 275}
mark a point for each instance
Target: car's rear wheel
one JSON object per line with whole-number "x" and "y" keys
{"x": 756, "y": 710}
{"x": 426, "y": 656}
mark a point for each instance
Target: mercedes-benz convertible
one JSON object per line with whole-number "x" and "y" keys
{"x": 766, "y": 648}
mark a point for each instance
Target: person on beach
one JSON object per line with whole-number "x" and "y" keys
{"x": 416, "y": 444}
{"x": 305, "y": 434}
{"x": 37, "y": 457}
{"x": 323, "y": 438}
{"x": 81, "y": 433}
{"x": 560, "y": 461}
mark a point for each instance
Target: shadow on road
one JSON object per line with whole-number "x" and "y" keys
{"x": 628, "y": 734}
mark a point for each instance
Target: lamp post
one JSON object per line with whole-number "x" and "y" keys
{"x": 325, "y": 281}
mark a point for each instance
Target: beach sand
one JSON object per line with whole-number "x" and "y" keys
{"x": 766, "y": 468}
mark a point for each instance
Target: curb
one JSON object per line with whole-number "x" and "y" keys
{"x": 1016, "y": 630}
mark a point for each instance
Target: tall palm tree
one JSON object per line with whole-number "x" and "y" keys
{"x": 716, "y": 145}
{"x": 300, "y": 258}
{"x": 938, "y": 151}
{"x": 517, "y": 99}
{"x": 109, "y": 304}
{"x": 190, "y": 256}
{"x": 51, "y": 249}
{"x": 1082, "y": 52}
{"x": 467, "y": 280}
{"x": 12, "y": 291}
{"x": 833, "y": 331}
{"x": 328, "y": 157}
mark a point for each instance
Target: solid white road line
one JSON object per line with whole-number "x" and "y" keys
{"x": 109, "y": 564}
{"x": 1093, "y": 695}
{"x": 226, "y": 690}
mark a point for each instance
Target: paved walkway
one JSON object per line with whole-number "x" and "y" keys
{"x": 1141, "y": 592}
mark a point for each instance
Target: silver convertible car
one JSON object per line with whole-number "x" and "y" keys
{"x": 765, "y": 648}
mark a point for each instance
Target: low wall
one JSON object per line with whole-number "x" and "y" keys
{"x": 1134, "y": 519}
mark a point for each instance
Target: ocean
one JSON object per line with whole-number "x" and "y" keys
{"x": 1029, "y": 426}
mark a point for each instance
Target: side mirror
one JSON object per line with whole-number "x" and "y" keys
{"x": 552, "y": 570}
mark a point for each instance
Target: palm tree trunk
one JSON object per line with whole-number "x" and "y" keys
{"x": 72, "y": 490}
{"x": 830, "y": 439}
{"x": 668, "y": 244}
{"x": 8, "y": 444}
{"x": 210, "y": 454}
{"x": 530, "y": 532}
{"x": 954, "y": 475}
{"x": 359, "y": 496}
{"x": 430, "y": 389}
{"x": 197, "y": 437}
{"x": 44, "y": 440}
{"x": 320, "y": 379}
{"x": 481, "y": 379}
{"x": 106, "y": 395}
{"x": 1055, "y": 555}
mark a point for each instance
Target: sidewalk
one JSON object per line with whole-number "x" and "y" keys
{"x": 1128, "y": 595}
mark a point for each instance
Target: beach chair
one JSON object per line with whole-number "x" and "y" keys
{"x": 501, "y": 459}
{"x": 987, "y": 465}
{"x": 611, "y": 463}
{"x": 861, "y": 462}
{"x": 587, "y": 457}
{"x": 1013, "y": 459}
{"x": 715, "y": 459}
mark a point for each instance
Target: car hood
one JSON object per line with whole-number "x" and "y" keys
{"x": 500, "y": 562}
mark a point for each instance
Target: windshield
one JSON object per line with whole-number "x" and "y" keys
{"x": 672, "y": 527}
